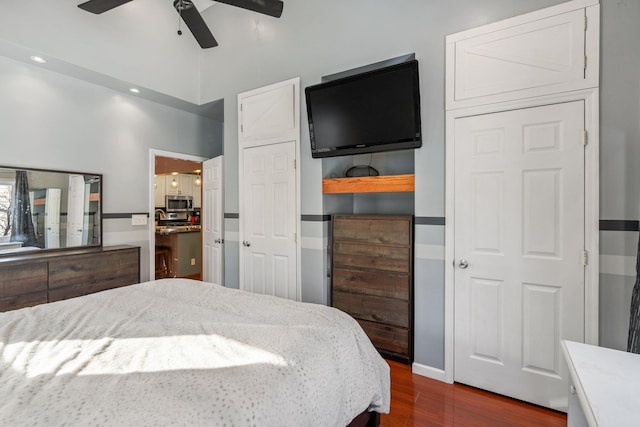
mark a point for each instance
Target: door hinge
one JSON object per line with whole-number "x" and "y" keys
{"x": 295, "y": 237}
{"x": 294, "y": 164}
{"x": 585, "y": 62}
{"x": 586, "y": 20}
{"x": 585, "y": 258}
{"x": 585, "y": 138}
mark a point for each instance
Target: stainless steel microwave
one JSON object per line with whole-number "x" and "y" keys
{"x": 178, "y": 203}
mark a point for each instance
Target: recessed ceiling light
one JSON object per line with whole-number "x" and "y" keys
{"x": 38, "y": 59}
{"x": 134, "y": 90}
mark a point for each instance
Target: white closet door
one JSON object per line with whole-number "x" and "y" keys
{"x": 75, "y": 210}
{"x": 269, "y": 225}
{"x": 269, "y": 182}
{"x": 52, "y": 218}
{"x": 519, "y": 244}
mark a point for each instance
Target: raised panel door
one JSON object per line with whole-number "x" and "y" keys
{"x": 519, "y": 221}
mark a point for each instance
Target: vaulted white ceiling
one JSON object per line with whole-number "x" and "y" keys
{"x": 135, "y": 44}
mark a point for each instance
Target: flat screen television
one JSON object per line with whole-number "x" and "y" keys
{"x": 370, "y": 112}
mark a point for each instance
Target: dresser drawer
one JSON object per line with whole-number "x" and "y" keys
{"x": 387, "y": 338}
{"x": 23, "y": 278}
{"x": 386, "y": 230}
{"x": 23, "y": 300}
{"x": 376, "y": 283}
{"x": 85, "y": 274}
{"x": 390, "y": 258}
{"x": 372, "y": 308}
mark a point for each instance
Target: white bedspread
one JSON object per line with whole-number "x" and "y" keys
{"x": 181, "y": 352}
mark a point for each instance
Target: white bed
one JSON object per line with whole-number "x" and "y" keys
{"x": 183, "y": 352}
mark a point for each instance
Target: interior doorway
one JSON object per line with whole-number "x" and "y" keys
{"x": 175, "y": 206}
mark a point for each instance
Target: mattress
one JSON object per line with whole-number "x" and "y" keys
{"x": 184, "y": 352}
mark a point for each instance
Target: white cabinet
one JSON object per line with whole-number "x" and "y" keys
{"x": 196, "y": 193}
{"x": 544, "y": 52}
{"x": 174, "y": 186}
{"x": 159, "y": 190}
{"x": 604, "y": 386}
{"x": 185, "y": 185}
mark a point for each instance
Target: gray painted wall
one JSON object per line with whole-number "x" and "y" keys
{"x": 53, "y": 121}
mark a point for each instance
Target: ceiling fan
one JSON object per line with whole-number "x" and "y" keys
{"x": 191, "y": 16}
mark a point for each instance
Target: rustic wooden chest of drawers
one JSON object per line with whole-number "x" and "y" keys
{"x": 372, "y": 278}
{"x": 35, "y": 278}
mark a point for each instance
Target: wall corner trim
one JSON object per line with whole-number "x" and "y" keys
{"x": 429, "y": 372}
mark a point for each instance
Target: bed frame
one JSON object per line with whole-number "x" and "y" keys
{"x": 366, "y": 419}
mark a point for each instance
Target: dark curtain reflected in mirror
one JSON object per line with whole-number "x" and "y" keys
{"x": 633, "y": 340}
{"x": 22, "y": 229}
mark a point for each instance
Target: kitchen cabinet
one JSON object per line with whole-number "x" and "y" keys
{"x": 186, "y": 186}
{"x": 159, "y": 190}
{"x": 196, "y": 193}
{"x": 179, "y": 188}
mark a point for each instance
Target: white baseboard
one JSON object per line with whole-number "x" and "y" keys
{"x": 429, "y": 372}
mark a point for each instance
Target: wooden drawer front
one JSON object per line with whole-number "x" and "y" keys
{"x": 87, "y": 273}
{"x": 67, "y": 292}
{"x": 20, "y": 301}
{"x": 372, "y": 283}
{"x": 387, "y": 338}
{"x": 391, "y": 230}
{"x": 372, "y": 308}
{"x": 389, "y": 258}
{"x": 23, "y": 278}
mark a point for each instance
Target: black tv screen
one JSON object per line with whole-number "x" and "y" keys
{"x": 374, "y": 111}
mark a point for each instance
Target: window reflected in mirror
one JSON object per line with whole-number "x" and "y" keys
{"x": 42, "y": 210}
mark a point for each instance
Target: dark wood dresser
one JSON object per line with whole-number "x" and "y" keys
{"x": 38, "y": 278}
{"x": 372, "y": 278}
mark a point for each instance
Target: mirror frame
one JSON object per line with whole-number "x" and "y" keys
{"x": 99, "y": 213}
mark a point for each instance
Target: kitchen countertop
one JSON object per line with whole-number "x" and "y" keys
{"x": 163, "y": 230}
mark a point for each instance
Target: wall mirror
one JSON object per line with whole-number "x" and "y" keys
{"x": 48, "y": 210}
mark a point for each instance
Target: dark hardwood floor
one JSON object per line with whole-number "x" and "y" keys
{"x": 420, "y": 401}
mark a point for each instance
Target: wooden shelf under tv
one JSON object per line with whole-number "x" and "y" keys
{"x": 369, "y": 184}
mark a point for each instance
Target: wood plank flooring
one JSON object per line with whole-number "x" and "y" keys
{"x": 420, "y": 401}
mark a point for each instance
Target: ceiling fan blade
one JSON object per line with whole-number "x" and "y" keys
{"x": 267, "y": 7}
{"x": 100, "y": 6}
{"x": 197, "y": 26}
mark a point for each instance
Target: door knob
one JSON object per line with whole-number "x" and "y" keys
{"x": 246, "y": 243}
{"x": 217, "y": 241}
{"x": 463, "y": 263}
